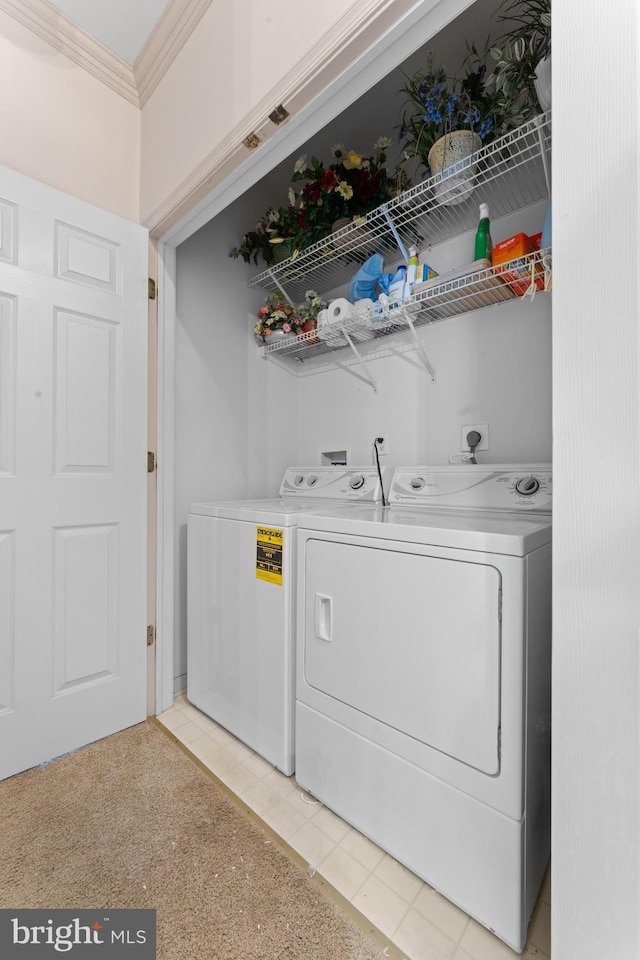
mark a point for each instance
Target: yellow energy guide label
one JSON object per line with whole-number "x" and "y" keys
{"x": 269, "y": 555}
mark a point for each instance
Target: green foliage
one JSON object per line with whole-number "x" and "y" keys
{"x": 518, "y": 51}
{"x": 439, "y": 104}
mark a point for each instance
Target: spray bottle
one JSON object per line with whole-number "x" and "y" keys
{"x": 484, "y": 245}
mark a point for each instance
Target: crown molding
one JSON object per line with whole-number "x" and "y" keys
{"x": 136, "y": 84}
{"x": 178, "y": 21}
{"x": 348, "y": 38}
{"x": 50, "y": 24}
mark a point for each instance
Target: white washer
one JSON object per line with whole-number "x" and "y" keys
{"x": 423, "y": 679}
{"x": 241, "y": 604}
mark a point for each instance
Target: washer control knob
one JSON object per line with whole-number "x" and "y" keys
{"x": 312, "y": 480}
{"x": 298, "y": 480}
{"x": 416, "y": 483}
{"x": 356, "y": 482}
{"x": 527, "y": 486}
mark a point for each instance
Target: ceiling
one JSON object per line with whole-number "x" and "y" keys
{"x": 123, "y": 26}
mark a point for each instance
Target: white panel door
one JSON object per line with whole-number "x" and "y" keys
{"x": 73, "y": 405}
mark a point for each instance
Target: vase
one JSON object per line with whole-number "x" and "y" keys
{"x": 350, "y": 239}
{"x": 450, "y": 165}
{"x": 308, "y": 328}
{"x": 542, "y": 83}
{"x": 281, "y": 252}
{"x": 277, "y": 336}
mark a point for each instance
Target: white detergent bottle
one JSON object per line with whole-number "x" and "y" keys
{"x": 397, "y": 287}
{"x": 412, "y": 266}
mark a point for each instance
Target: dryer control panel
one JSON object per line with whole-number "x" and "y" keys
{"x": 519, "y": 487}
{"x": 361, "y": 484}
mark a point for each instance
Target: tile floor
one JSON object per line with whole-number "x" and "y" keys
{"x": 420, "y": 922}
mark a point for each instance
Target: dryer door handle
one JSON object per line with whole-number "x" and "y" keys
{"x": 323, "y": 617}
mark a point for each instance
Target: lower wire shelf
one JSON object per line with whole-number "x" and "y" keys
{"x": 338, "y": 344}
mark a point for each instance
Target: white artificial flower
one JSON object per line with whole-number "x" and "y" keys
{"x": 382, "y": 143}
{"x": 292, "y": 197}
{"x": 345, "y": 190}
{"x": 300, "y": 163}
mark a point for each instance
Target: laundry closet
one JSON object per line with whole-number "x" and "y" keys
{"x": 242, "y": 418}
{"x": 595, "y": 423}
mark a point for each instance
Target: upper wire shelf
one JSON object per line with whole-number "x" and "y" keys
{"x": 512, "y": 172}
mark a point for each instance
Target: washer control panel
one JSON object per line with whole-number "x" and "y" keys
{"x": 520, "y": 487}
{"x": 361, "y": 484}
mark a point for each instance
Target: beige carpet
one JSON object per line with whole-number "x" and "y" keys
{"x": 133, "y": 821}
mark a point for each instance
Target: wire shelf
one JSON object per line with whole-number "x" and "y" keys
{"x": 439, "y": 300}
{"x": 511, "y": 173}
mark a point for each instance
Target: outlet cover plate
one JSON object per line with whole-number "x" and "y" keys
{"x": 483, "y": 430}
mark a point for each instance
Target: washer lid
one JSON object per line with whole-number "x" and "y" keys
{"x": 283, "y": 512}
{"x": 303, "y": 489}
{"x": 501, "y": 532}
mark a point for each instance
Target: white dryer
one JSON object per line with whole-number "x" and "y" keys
{"x": 241, "y": 603}
{"x": 423, "y": 691}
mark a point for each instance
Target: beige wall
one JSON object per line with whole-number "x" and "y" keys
{"x": 243, "y": 59}
{"x": 62, "y": 126}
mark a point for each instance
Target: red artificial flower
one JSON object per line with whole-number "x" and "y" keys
{"x": 328, "y": 180}
{"x": 312, "y": 192}
{"x": 365, "y": 185}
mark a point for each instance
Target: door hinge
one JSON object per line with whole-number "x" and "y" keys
{"x": 278, "y": 115}
{"x": 252, "y": 141}
{"x": 152, "y": 289}
{"x": 151, "y": 461}
{"x": 151, "y": 635}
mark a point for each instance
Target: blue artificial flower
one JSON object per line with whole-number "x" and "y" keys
{"x": 432, "y": 115}
{"x": 473, "y": 116}
{"x": 485, "y": 127}
{"x": 451, "y": 102}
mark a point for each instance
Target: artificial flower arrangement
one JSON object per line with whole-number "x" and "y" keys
{"x": 313, "y": 304}
{"x": 278, "y": 314}
{"x": 268, "y": 234}
{"x": 309, "y": 310}
{"x": 347, "y": 188}
{"x": 441, "y": 105}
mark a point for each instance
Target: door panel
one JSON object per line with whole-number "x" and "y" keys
{"x": 88, "y": 393}
{"x": 409, "y": 639}
{"x": 73, "y": 359}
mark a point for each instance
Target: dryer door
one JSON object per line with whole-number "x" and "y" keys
{"x": 408, "y": 639}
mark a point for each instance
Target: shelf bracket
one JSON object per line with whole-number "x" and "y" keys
{"x": 280, "y": 287}
{"x": 365, "y": 369}
{"x": 422, "y": 353}
{"x": 394, "y": 231}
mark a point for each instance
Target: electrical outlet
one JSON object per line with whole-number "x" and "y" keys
{"x": 383, "y": 446}
{"x": 483, "y": 430}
